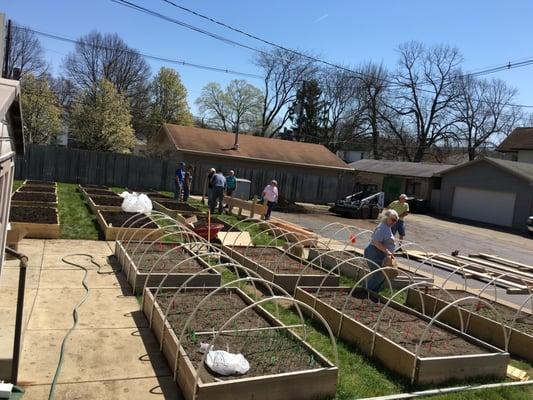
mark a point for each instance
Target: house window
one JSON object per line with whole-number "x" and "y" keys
{"x": 413, "y": 188}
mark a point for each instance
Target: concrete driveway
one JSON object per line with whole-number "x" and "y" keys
{"x": 432, "y": 234}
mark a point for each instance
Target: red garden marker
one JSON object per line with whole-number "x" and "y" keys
{"x": 353, "y": 238}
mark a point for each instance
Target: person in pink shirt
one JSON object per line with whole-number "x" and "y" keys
{"x": 270, "y": 194}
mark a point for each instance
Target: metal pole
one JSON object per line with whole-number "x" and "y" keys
{"x": 20, "y": 312}
{"x": 7, "y": 49}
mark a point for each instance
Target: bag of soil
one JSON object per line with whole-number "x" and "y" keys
{"x": 226, "y": 364}
{"x": 137, "y": 203}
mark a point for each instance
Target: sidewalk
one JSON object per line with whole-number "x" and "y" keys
{"x": 111, "y": 354}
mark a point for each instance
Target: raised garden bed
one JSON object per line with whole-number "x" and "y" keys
{"x": 446, "y": 353}
{"x": 37, "y": 222}
{"x": 358, "y": 268}
{"x": 106, "y": 203}
{"x": 39, "y": 183}
{"x": 111, "y": 223}
{"x": 283, "y": 269}
{"x": 91, "y": 186}
{"x": 479, "y": 319}
{"x": 99, "y": 192}
{"x": 282, "y": 366}
{"x": 173, "y": 208}
{"x": 141, "y": 190}
{"x": 137, "y": 273}
{"x": 34, "y": 199}
{"x": 37, "y": 188}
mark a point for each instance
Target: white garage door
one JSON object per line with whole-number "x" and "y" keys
{"x": 484, "y": 205}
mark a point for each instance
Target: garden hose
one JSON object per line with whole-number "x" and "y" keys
{"x": 75, "y": 317}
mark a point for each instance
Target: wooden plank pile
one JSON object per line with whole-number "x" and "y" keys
{"x": 515, "y": 277}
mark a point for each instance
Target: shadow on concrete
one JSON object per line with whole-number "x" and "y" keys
{"x": 167, "y": 387}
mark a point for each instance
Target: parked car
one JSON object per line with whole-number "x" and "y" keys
{"x": 530, "y": 225}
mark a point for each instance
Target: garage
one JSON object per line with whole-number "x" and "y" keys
{"x": 488, "y": 190}
{"x": 484, "y": 206}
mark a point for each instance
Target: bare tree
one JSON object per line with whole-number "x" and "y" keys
{"x": 25, "y": 53}
{"x": 483, "y": 112}
{"x": 425, "y": 89}
{"x": 64, "y": 90}
{"x": 374, "y": 92}
{"x": 106, "y": 56}
{"x": 284, "y": 73}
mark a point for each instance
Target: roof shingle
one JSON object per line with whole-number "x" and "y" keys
{"x": 399, "y": 168}
{"x": 207, "y": 141}
{"x": 519, "y": 139}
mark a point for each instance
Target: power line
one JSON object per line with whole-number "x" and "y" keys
{"x": 145, "y": 10}
{"x": 149, "y": 56}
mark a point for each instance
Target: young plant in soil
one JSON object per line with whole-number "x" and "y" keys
{"x": 268, "y": 351}
{"x": 401, "y": 327}
{"x": 274, "y": 260}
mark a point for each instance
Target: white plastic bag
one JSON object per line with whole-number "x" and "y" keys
{"x": 226, "y": 364}
{"x": 134, "y": 202}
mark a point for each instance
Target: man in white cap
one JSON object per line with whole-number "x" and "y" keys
{"x": 402, "y": 208}
{"x": 270, "y": 194}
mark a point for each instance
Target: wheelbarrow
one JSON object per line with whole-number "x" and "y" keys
{"x": 208, "y": 232}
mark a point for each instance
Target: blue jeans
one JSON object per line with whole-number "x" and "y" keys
{"x": 375, "y": 281}
{"x": 270, "y": 207}
{"x": 399, "y": 227}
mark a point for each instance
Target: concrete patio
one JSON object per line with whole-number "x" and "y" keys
{"x": 111, "y": 354}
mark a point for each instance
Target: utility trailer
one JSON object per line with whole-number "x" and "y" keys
{"x": 367, "y": 202}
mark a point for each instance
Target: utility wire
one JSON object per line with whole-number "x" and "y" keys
{"x": 149, "y": 56}
{"x": 145, "y": 10}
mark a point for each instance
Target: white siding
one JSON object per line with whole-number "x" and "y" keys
{"x": 484, "y": 205}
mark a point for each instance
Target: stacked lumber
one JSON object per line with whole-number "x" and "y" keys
{"x": 514, "y": 280}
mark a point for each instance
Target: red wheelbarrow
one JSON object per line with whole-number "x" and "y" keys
{"x": 208, "y": 232}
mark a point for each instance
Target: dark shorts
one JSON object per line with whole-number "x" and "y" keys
{"x": 229, "y": 191}
{"x": 399, "y": 227}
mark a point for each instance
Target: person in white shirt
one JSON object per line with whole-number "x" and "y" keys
{"x": 270, "y": 194}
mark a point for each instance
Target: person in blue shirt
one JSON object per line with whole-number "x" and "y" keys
{"x": 179, "y": 179}
{"x": 381, "y": 246}
{"x": 218, "y": 181}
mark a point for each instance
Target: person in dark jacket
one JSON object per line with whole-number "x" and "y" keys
{"x": 179, "y": 178}
{"x": 187, "y": 184}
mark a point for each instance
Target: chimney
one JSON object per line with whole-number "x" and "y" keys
{"x": 236, "y": 144}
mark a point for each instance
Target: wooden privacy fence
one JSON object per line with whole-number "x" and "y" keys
{"x": 113, "y": 169}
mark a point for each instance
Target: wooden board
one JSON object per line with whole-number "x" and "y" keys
{"x": 504, "y": 261}
{"x": 38, "y": 231}
{"x": 234, "y": 238}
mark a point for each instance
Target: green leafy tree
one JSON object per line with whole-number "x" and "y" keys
{"x": 42, "y": 115}
{"x": 101, "y": 120}
{"x": 236, "y": 109}
{"x": 168, "y": 100}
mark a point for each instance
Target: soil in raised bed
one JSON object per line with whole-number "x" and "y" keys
{"x": 177, "y": 206}
{"x": 36, "y": 215}
{"x": 142, "y": 190}
{"x": 34, "y": 196}
{"x": 40, "y": 183}
{"x": 524, "y": 321}
{"x": 100, "y": 192}
{"x": 401, "y": 327}
{"x": 227, "y": 227}
{"x": 118, "y": 218}
{"x": 273, "y": 259}
{"x": 268, "y": 352}
{"x": 114, "y": 201}
{"x": 91, "y": 186}
{"x": 36, "y": 188}
{"x": 168, "y": 260}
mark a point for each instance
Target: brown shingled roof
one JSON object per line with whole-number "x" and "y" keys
{"x": 189, "y": 139}
{"x": 519, "y": 139}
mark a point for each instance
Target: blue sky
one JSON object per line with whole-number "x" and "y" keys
{"x": 488, "y": 33}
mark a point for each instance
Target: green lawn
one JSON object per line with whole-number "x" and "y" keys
{"x": 358, "y": 376}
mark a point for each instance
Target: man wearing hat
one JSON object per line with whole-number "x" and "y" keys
{"x": 402, "y": 208}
